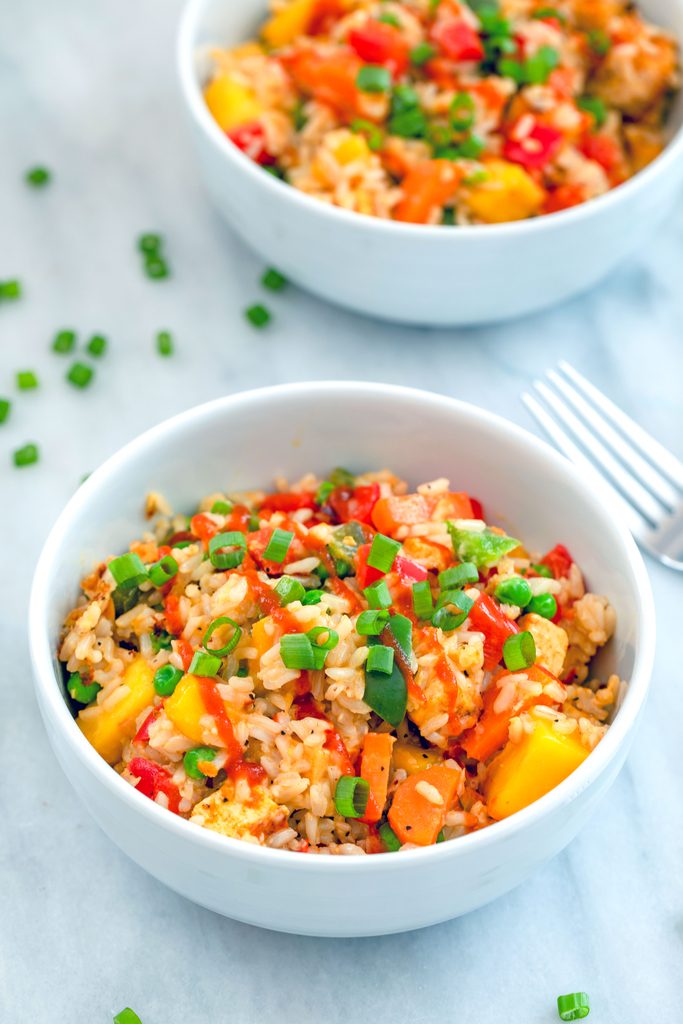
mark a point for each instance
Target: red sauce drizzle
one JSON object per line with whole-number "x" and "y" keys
{"x": 253, "y": 773}
{"x": 342, "y": 589}
{"x": 213, "y": 702}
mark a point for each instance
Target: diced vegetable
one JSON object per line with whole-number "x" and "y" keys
{"x": 506, "y": 193}
{"x": 231, "y": 103}
{"x": 488, "y": 618}
{"x": 412, "y": 759}
{"x": 416, "y": 817}
{"x": 351, "y": 796}
{"x": 185, "y": 708}
{"x": 108, "y": 729}
{"x": 375, "y": 768}
{"x": 291, "y": 20}
{"x": 387, "y": 695}
{"x": 482, "y": 547}
{"x": 426, "y": 190}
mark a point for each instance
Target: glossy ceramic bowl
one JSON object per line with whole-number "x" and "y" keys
{"x": 406, "y": 272}
{"x": 244, "y": 441}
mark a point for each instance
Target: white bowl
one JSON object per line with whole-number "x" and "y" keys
{"x": 406, "y": 272}
{"x": 244, "y": 441}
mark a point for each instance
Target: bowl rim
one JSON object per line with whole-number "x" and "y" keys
{"x": 55, "y": 711}
{"x": 186, "y": 46}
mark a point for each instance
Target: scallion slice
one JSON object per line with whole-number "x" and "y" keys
{"x": 324, "y": 491}
{"x": 128, "y": 571}
{"x": 204, "y": 664}
{"x": 423, "y": 602}
{"x": 289, "y": 590}
{"x": 163, "y": 570}
{"x": 519, "y": 651}
{"x": 227, "y": 550}
{"x": 389, "y": 838}
{"x": 402, "y": 629}
{"x": 377, "y": 595}
{"x": 458, "y": 575}
{"x": 221, "y": 508}
{"x": 422, "y": 53}
{"x": 445, "y": 617}
{"x": 383, "y": 551}
{"x": 5, "y": 406}
{"x": 64, "y": 342}
{"x": 312, "y": 597}
{"x": 574, "y": 1006}
{"x": 27, "y": 380}
{"x": 351, "y": 796}
{"x": 26, "y": 456}
{"x": 373, "y": 78}
{"x": 127, "y": 1016}
{"x": 372, "y": 622}
{"x": 380, "y": 659}
{"x": 222, "y": 652}
{"x": 296, "y": 651}
{"x": 278, "y": 545}
{"x": 273, "y": 280}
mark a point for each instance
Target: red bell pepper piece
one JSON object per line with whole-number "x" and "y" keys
{"x": 564, "y": 197}
{"x": 251, "y": 139}
{"x": 153, "y": 779}
{"x": 603, "y": 149}
{"x": 409, "y": 572}
{"x": 330, "y": 78}
{"x": 536, "y": 149}
{"x": 186, "y": 652}
{"x": 458, "y": 40}
{"x": 559, "y": 561}
{"x": 365, "y": 574}
{"x": 172, "y": 613}
{"x": 356, "y": 503}
{"x": 487, "y": 617}
{"x": 291, "y": 502}
{"x": 204, "y": 528}
{"x": 477, "y": 508}
{"x": 142, "y": 735}
{"x": 375, "y": 42}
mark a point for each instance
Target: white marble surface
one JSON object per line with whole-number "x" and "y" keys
{"x": 88, "y": 88}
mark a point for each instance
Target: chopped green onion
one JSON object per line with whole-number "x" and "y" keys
{"x": 595, "y": 106}
{"x": 5, "y": 407}
{"x": 160, "y": 640}
{"x": 299, "y": 119}
{"x": 258, "y": 315}
{"x": 312, "y": 597}
{"x": 537, "y": 68}
{"x": 550, "y": 12}
{"x": 163, "y": 570}
{"x": 204, "y": 664}
{"x": 323, "y": 493}
{"x": 441, "y": 838}
{"x": 383, "y": 552}
{"x": 166, "y": 679}
{"x": 64, "y": 342}
{"x": 408, "y": 124}
{"x": 485, "y": 548}
{"x": 510, "y": 68}
{"x": 574, "y": 1006}
{"x": 423, "y": 602}
{"x": 542, "y": 570}
{"x": 351, "y": 796}
{"x": 599, "y": 42}
{"x": 37, "y": 177}
{"x": 372, "y": 134}
{"x": 80, "y": 375}
{"x": 519, "y": 652}
{"x": 448, "y": 216}
{"x": 193, "y": 757}
{"x": 327, "y": 645}
{"x": 273, "y": 280}
{"x": 97, "y": 345}
{"x": 164, "y": 343}
{"x": 373, "y": 78}
{"x": 377, "y": 595}
{"x": 127, "y": 1016}
{"x": 222, "y": 652}
{"x": 278, "y": 545}
{"x": 446, "y": 619}
{"x": 27, "y": 380}
{"x": 544, "y": 605}
{"x": 389, "y": 19}
{"x": 227, "y": 550}
{"x": 458, "y": 575}
{"x": 462, "y": 111}
{"x": 156, "y": 268}
{"x": 514, "y": 591}
{"x": 221, "y": 508}
{"x": 149, "y": 243}
{"x": 470, "y": 148}
{"x": 289, "y": 590}
{"x": 493, "y": 23}
{"x": 387, "y": 695}
{"x": 402, "y": 629}
{"x": 26, "y": 456}
{"x": 389, "y": 837}
{"x": 422, "y": 53}
{"x": 380, "y": 659}
{"x": 296, "y": 651}
{"x": 82, "y": 693}
{"x": 128, "y": 570}
{"x": 341, "y": 477}
{"x": 10, "y": 290}
{"x": 371, "y": 623}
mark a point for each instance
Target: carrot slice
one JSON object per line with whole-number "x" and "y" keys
{"x": 413, "y": 816}
{"x": 374, "y": 768}
{"x": 427, "y": 187}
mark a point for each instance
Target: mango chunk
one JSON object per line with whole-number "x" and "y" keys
{"x": 507, "y": 194}
{"x": 262, "y": 641}
{"x": 351, "y": 150}
{"x": 414, "y": 759}
{"x": 185, "y": 708}
{"x": 107, "y": 729}
{"x": 527, "y": 770}
{"x": 231, "y": 103}
{"x": 289, "y": 23}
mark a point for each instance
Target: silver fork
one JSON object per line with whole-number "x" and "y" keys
{"x": 646, "y": 480}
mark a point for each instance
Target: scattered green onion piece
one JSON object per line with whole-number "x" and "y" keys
{"x": 389, "y": 19}
{"x": 423, "y": 602}
{"x": 595, "y": 106}
{"x": 222, "y": 652}
{"x": 180, "y": 544}
{"x": 258, "y": 315}
{"x": 299, "y": 119}
{"x": 278, "y": 545}
{"x": 574, "y": 1006}
{"x": 166, "y": 679}
{"x": 10, "y": 290}
{"x": 446, "y": 619}
{"x": 510, "y": 68}
{"x": 371, "y": 623}
{"x": 227, "y": 550}
{"x": 471, "y": 148}
{"x": 387, "y": 695}
{"x": 408, "y": 124}
{"x": 377, "y": 595}
{"x": 127, "y": 1016}
{"x": 341, "y": 477}
{"x": 441, "y": 838}
{"x": 544, "y": 605}
{"x": 550, "y": 12}
{"x": 327, "y": 645}
{"x": 149, "y": 243}
{"x": 492, "y": 22}
{"x": 312, "y": 597}
{"x": 543, "y": 570}
{"x": 599, "y": 42}
{"x": 538, "y": 67}
{"x": 519, "y": 652}
{"x": 164, "y": 343}
{"x": 383, "y": 551}
{"x": 514, "y": 591}
{"x": 204, "y": 664}
{"x": 273, "y": 280}
{"x": 373, "y": 78}
{"x": 156, "y": 268}
{"x": 380, "y": 659}
{"x": 64, "y": 342}
{"x": 163, "y": 570}
{"x": 439, "y": 135}
{"x": 448, "y": 216}
{"x": 296, "y": 651}
{"x": 26, "y": 456}
{"x": 221, "y": 508}
{"x": 289, "y": 590}
{"x": 27, "y": 380}
{"x": 128, "y": 570}
{"x": 82, "y": 693}
{"x": 389, "y": 838}
{"x": 5, "y": 407}
{"x": 37, "y": 177}
{"x": 458, "y": 575}
{"x": 351, "y": 796}
{"x": 192, "y": 758}
{"x": 485, "y": 548}
{"x": 371, "y": 132}
{"x": 80, "y": 375}
{"x": 323, "y": 493}
{"x": 422, "y": 53}
{"x": 97, "y": 345}
{"x": 462, "y": 111}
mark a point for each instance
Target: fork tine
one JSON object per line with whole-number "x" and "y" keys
{"x": 641, "y": 469}
{"x": 665, "y": 461}
{"x": 627, "y": 484}
{"x": 635, "y": 522}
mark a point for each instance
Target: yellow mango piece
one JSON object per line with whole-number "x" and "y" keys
{"x": 413, "y": 759}
{"x": 262, "y": 641}
{"x": 507, "y": 194}
{"x": 185, "y": 708}
{"x": 107, "y": 729}
{"x": 352, "y": 149}
{"x": 527, "y": 770}
{"x": 231, "y": 103}
{"x": 289, "y": 23}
